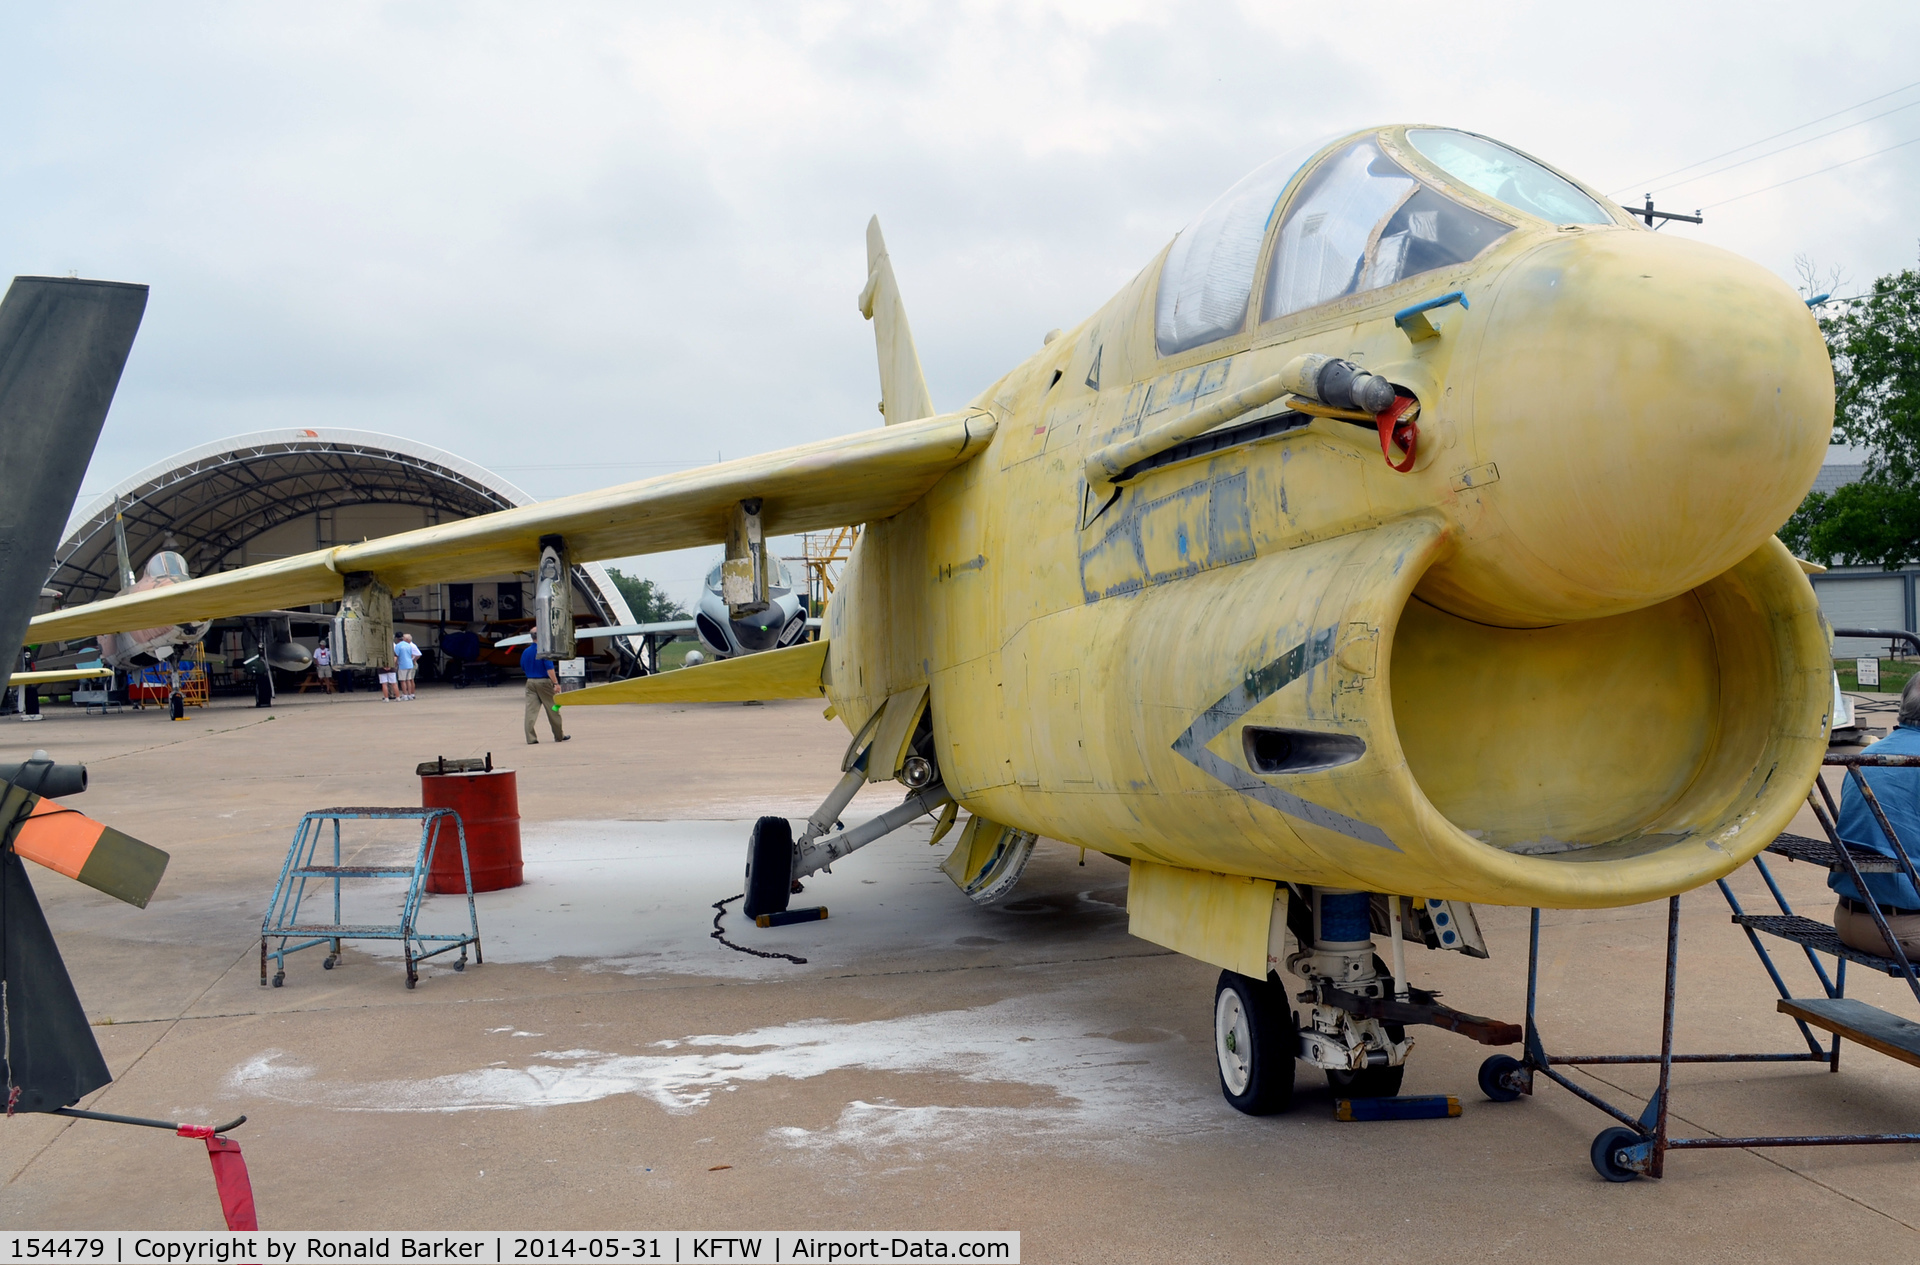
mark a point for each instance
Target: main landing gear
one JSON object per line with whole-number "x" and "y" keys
{"x": 1255, "y": 1043}
{"x": 1351, "y": 1021}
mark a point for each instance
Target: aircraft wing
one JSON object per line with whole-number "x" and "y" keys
{"x": 51, "y": 675}
{"x": 858, "y": 478}
{"x": 677, "y": 627}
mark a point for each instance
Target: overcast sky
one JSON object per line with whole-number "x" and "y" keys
{"x": 583, "y": 244}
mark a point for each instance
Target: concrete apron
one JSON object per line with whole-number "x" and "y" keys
{"x": 933, "y": 1065}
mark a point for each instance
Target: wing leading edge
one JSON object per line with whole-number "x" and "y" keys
{"x": 858, "y": 478}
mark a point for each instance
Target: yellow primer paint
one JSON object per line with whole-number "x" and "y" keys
{"x": 987, "y": 861}
{"x": 790, "y": 673}
{"x": 52, "y": 675}
{"x": 1560, "y": 661}
{"x": 1223, "y": 919}
{"x": 825, "y": 484}
{"x": 901, "y": 714}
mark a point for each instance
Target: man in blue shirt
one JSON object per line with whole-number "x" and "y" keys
{"x": 407, "y": 656}
{"x": 542, "y": 679}
{"x": 1898, "y": 791}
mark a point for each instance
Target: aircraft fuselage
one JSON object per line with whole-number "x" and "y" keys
{"x": 1564, "y": 636}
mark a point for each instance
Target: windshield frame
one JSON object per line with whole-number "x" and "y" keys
{"x": 1393, "y": 143}
{"x": 1257, "y": 330}
{"x": 1409, "y": 156}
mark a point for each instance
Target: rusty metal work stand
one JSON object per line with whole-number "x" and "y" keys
{"x": 282, "y": 919}
{"x": 1640, "y": 1148}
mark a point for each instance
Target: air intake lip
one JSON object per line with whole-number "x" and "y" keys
{"x": 710, "y": 632}
{"x": 1270, "y": 751}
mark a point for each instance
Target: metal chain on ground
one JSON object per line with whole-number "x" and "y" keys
{"x": 720, "y": 911}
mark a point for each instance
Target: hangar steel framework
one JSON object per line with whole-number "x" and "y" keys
{"x": 216, "y": 498}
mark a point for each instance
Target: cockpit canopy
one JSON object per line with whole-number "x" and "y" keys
{"x": 779, "y": 581}
{"x": 1358, "y": 221}
{"x": 167, "y": 565}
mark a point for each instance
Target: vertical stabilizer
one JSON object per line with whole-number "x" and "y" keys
{"x": 903, "y": 384}
{"x": 120, "y": 551}
{"x": 63, "y": 343}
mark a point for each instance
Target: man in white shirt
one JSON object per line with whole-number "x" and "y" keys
{"x": 323, "y": 665}
{"x": 406, "y": 655}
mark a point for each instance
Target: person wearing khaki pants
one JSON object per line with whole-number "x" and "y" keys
{"x": 542, "y": 680}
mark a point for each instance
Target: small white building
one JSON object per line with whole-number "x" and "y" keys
{"x": 1863, "y": 597}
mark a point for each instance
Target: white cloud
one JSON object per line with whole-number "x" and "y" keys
{"x": 605, "y": 235}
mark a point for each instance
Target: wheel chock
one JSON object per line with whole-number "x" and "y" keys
{"x": 1411, "y": 1107}
{"x": 787, "y": 917}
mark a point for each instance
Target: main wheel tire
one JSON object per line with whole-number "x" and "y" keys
{"x": 1368, "y": 1082}
{"x": 1605, "y": 1154}
{"x": 769, "y": 866}
{"x": 1254, "y": 1044}
{"x": 1493, "y": 1077}
{"x": 1373, "y": 1082}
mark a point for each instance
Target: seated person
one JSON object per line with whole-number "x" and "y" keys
{"x": 1898, "y": 791}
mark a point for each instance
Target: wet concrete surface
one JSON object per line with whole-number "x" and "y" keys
{"x": 932, "y": 1064}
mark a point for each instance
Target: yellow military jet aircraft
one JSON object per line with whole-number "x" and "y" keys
{"x": 1399, "y": 538}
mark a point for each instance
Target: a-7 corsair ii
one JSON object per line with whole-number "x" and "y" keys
{"x": 1400, "y": 537}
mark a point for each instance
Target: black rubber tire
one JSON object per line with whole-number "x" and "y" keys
{"x": 1602, "y": 1154}
{"x": 1491, "y": 1073}
{"x": 1373, "y": 1082}
{"x": 769, "y": 866}
{"x": 1275, "y": 1041}
{"x": 1370, "y": 1082}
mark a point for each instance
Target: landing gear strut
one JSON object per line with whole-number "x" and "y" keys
{"x": 1355, "y": 1010}
{"x": 1363, "y": 1056}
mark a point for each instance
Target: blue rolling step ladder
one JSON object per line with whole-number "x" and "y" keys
{"x": 283, "y": 921}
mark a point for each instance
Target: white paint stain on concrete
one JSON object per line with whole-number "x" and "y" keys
{"x": 637, "y": 897}
{"x": 1082, "y": 1087}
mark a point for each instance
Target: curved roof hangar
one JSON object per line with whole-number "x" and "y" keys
{"x": 216, "y": 500}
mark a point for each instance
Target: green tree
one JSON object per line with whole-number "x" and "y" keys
{"x": 648, "y": 602}
{"x": 1875, "y": 344}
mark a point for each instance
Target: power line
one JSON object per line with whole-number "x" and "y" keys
{"x": 1638, "y": 184}
{"x": 1784, "y": 148}
{"x": 1811, "y": 174}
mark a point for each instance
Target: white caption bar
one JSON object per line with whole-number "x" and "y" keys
{"x": 517, "y": 1247}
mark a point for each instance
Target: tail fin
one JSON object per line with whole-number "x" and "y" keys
{"x": 120, "y": 551}
{"x": 903, "y": 383}
{"x": 63, "y": 344}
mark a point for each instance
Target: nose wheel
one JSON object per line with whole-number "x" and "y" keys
{"x": 1254, "y": 1044}
{"x": 769, "y": 866}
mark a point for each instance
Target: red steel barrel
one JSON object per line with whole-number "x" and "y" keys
{"x": 489, "y": 808}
